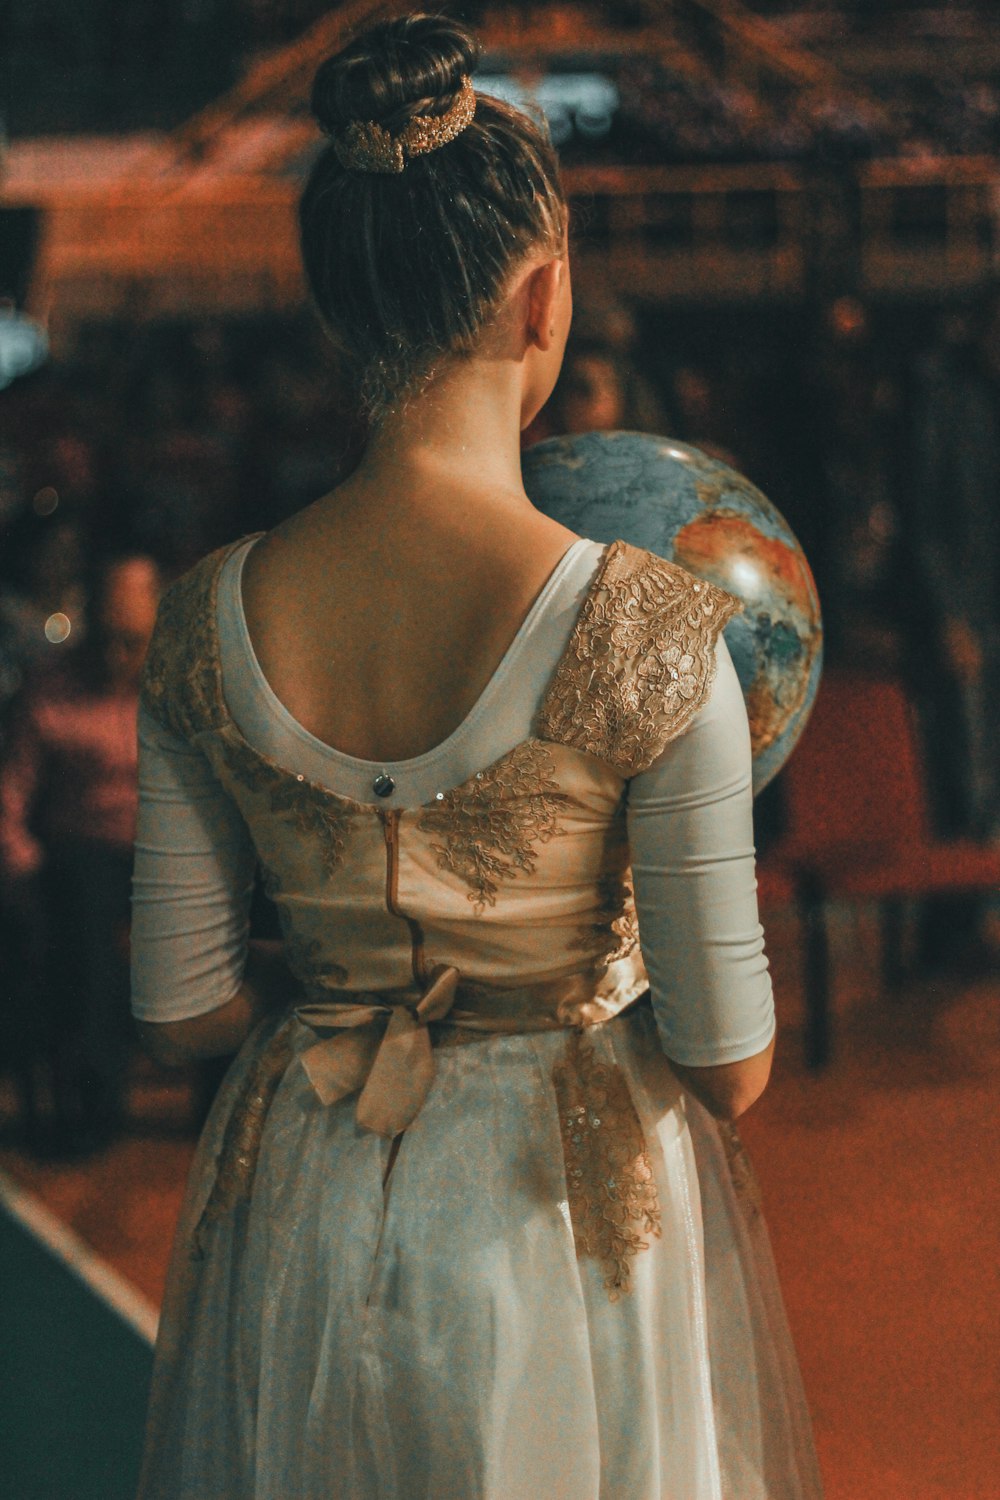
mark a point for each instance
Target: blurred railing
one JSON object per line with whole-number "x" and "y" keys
{"x": 670, "y": 233}
{"x": 928, "y": 226}
{"x": 890, "y": 228}
{"x": 896, "y": 227}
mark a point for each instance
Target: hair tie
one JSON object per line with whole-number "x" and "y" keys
{"x": 366, "y": 146}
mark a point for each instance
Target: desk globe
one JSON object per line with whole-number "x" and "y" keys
{"x": 693, "y": 510}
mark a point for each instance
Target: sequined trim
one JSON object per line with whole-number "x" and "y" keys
{"x": 640, "y": 661}
{"x": 237, "y": 1164}
{"x": 366, "y": 146}
{"x": 181, "y": 683}
{"x": 489, "y": 826}
{"x": 609, "y": 1178}
{"x": 303, "y": 805}
{"x": 741, "y": 1172}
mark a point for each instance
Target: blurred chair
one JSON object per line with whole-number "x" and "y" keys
{"x": 857, "y": 827}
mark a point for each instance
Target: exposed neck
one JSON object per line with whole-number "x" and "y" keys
{"x": 463, "y": 429}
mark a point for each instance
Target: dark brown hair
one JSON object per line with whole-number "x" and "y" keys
{"x": 408, "y": 267}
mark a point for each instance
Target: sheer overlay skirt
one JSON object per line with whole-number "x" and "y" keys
{"x": 440, "y": 1337}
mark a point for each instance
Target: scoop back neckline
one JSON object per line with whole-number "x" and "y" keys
{"x": 461, "y": 730}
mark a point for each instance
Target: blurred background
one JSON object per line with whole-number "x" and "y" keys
{"x": 786, "y": 230}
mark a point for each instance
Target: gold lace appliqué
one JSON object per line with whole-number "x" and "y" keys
{"x": 613, "y": 929}
{"x": 238, "y": 1155}
{"x": 612, "y": 1192}
{"x": 490, "y": 826}
{"x": 308, "y": 808}
{"x": 640, "y": 661}
{"x": 620, "y": 920}
{"x": 181, "y": 679}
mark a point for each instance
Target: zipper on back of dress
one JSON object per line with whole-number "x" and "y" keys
{"x": 390, "y": 830}
{"x": 390, "y": 833}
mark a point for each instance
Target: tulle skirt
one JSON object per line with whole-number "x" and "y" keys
{"x": 440, "y": 1337}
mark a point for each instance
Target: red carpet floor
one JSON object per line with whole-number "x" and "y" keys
{"x": 881, "y": 1190}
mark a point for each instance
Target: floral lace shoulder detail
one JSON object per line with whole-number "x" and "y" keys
{"x": 181, "y": 682}
{"x": 488, "y": 828}
{"x": 640, "y": 661}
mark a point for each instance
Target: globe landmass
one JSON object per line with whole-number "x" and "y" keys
{"x": 683, "y": 505}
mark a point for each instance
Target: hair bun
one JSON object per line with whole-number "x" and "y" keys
{"x": 413, "y": 65}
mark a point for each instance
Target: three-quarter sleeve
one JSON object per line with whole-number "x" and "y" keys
{"x": 192, "y": 884}
{"x": 690, "y": 824}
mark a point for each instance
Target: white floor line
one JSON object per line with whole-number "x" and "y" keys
{"x": 103, "y": 1280}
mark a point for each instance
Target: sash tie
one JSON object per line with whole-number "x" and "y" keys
{"x": 381, "y": 1048}
{"x": 394, "y": 1070}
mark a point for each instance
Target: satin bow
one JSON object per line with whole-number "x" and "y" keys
{"x": 394, "y": 1070}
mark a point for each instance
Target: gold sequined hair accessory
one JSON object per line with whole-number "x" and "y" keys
{"x": 366, "y": 146}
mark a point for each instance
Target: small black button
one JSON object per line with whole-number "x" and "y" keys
{"x": 383, "y": 786}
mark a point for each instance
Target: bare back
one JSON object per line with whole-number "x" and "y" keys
{"x": 378, "y": 623}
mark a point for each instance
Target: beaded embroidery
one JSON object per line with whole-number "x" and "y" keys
{"x": 609, "y": 1178}
{"x": 488, "y": 827}
{"x": 307, "y": 808}
{"x": 640, "y": 661}
{"x": 240, "y": 1149}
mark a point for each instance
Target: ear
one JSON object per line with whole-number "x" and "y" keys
{"x": 543, "y": 287}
